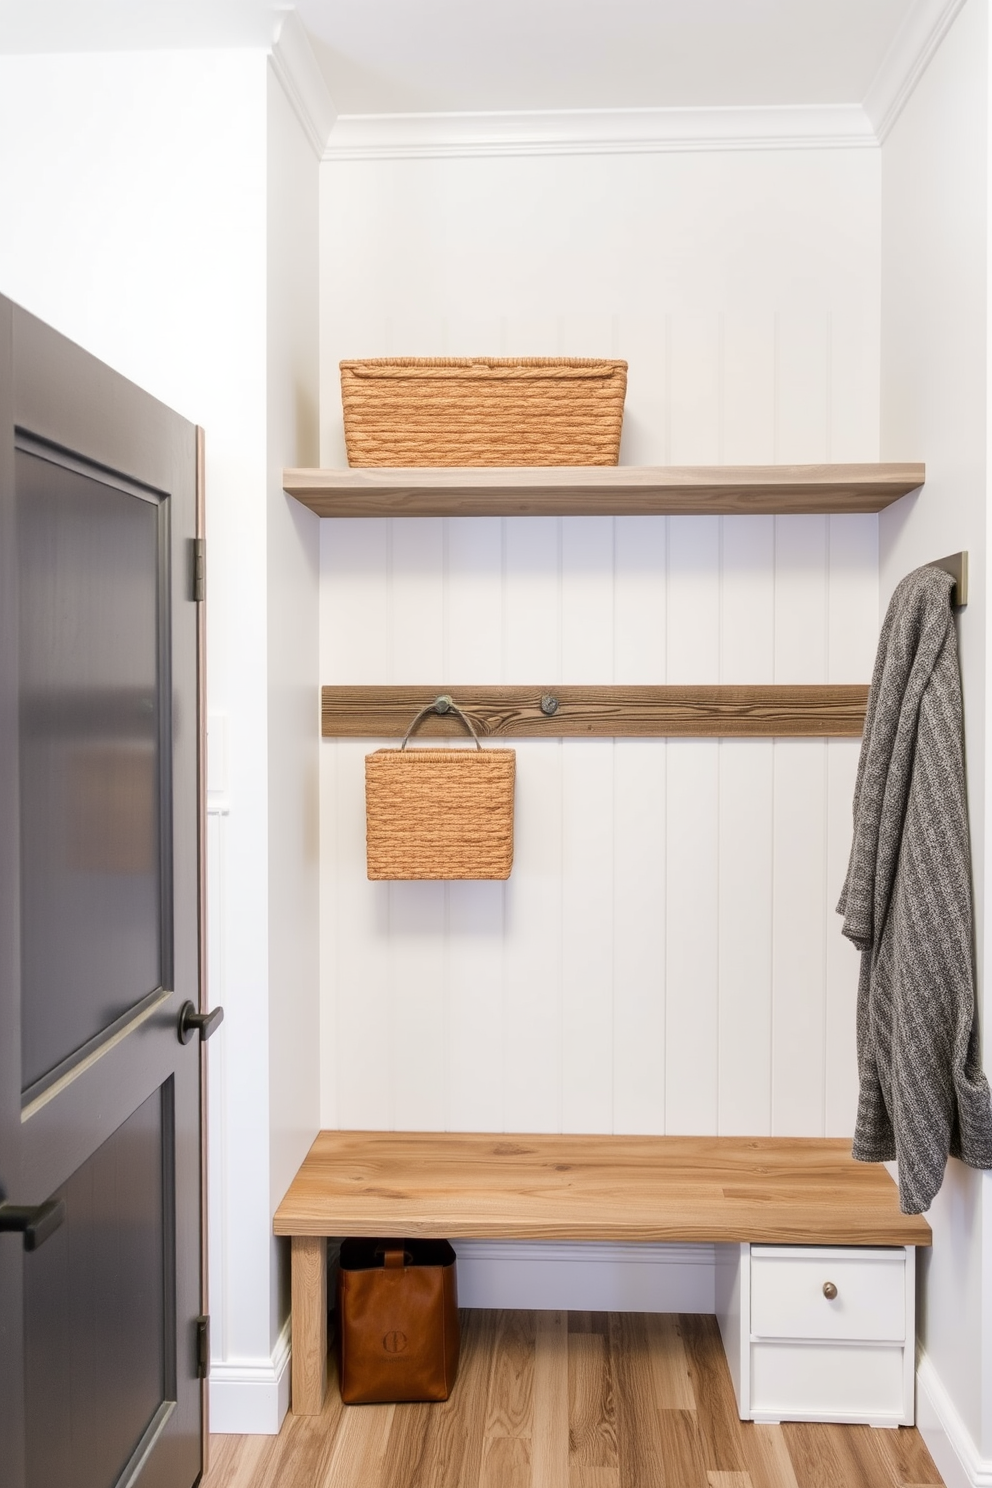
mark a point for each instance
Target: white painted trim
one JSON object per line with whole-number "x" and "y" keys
{"x": 251, "y": 1396}
{"x": 586, "y": 1276}
{"x": 945, "y": 1433}
{"x": 648, "y": 130}
{"x": 906, "y": 60}
{"x": 596, "y": 132}
{"x": 302, "y": 81}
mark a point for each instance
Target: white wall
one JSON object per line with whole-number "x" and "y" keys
{"x": 293, "y": 562}
{"x": 934, "y": 407}
{"x": 666, "y": 955}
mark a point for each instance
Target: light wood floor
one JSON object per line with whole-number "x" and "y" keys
{"x": 572, "y": 1400}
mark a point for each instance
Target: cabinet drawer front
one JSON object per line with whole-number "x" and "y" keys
{"x": 788, "y": 1300}
{"x": 829, "y": 1381}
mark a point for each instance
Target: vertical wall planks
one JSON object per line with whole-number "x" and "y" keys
{"x": 665, "y": 955}
{"x": 802, "y": 385}
{"x": 691, "y": 1045}
{"x": 748, "y": 400}
{"x": 418, "y": 911}
{"x": 799, "y": 841}
{"x": 639, "y": 834}
{"x": 356, "y": 640}
{"x": 532, "y": 952}
{"x": 587, "y": 600}
{"x": 473, "y": 948}
{"x": 852, "y": 635}
{"x": 418, "y": 598}
{"x": 747, "y": 651}
{"x": 356, "y": 964}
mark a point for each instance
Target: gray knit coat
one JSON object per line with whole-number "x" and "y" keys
{"x": 907, "y": 906}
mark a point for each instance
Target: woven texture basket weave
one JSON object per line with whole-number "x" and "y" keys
{"x": 483, "y": 411}
{"x": 439, "y": 813}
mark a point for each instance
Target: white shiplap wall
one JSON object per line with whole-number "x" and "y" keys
{"x": 665, "y": 956}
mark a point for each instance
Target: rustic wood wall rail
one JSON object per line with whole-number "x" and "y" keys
{"x": 825, "y": 711}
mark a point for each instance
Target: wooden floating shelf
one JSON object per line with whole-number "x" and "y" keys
{"x": 828, "y": 711}
{"x": 608, "y": 490}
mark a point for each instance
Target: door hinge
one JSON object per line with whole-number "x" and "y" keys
{"x": 202, "y": 1347}
{"x": 199, "y": 569}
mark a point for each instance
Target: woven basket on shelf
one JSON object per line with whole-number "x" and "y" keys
{"x": 439, "y": 813}
{"x": 483, "y": 411}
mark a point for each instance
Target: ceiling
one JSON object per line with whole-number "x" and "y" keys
{"x": 437, "y": 56}
{"x": 385, "y": 56}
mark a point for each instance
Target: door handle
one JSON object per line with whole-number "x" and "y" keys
{"x": 34, "y": 1221}
{"x": 190, "y": 1022}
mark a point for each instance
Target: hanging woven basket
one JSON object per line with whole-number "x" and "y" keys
{"x": 439, "y": 813}
{"x": 483, "y": 411}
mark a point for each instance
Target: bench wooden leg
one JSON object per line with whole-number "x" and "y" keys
{"x": 309, "y": 1303}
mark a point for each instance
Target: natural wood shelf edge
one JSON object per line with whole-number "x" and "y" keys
{"x": 608, "y": 490}
{"x": 769, "y": 1190}
{"x": 824, "y": 711}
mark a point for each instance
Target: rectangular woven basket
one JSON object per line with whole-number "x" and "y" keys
{"x": 483, "y": 411}
{"x": 439, "y": 813}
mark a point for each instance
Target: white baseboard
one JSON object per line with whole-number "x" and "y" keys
{"x": 586, "y": 1277}
{"x": 251, "y": 1396}
{"x": 945, "y": 1433}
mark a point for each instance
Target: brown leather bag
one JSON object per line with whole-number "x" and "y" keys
{"x": 397, "y": 1320}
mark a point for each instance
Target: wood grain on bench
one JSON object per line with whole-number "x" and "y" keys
{"x": 776, "y": 1190}
{"x": 788, "y": 1190}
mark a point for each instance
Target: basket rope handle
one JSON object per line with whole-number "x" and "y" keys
{"x": 442, "y": 704}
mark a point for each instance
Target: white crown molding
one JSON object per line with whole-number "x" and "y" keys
{"x": 596, "y": 132}
{"x": 302, "y": 81}
{"x": 945, "y": 1433}
{"x": 906, "y": 60}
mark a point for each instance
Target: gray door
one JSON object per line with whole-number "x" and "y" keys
{"x": 99, "y": 933}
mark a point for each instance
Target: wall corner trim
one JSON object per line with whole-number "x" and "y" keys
{"x": 947, "y": 1437}
{"x": 906, "y": 60}
{"x": 251, "y": 1396}
{"x": 302, "y": 81}
{"x": 644, "y": 131}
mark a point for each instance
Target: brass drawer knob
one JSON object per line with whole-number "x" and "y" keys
{"x": 829, "y": 1290}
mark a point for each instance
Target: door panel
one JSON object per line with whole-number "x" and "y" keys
{"x": 99, "y": 1304}
{"x": 91, "y": 762}
{"x": 99, "y": 1101}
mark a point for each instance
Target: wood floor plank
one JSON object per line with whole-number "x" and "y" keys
{"x": 716, "y": 1407}
{"x": 908, "y": 1452}
{"x": 237, "y": 1461}
{"x": 542, "y": 1401}
{"x": 549, "y": 1450}
{"x": 506, "y": 1463}
{"x": 682, "y": 1449}
{"x": 592, "y": 1424}
{"x": 640, "y": 1445}
{"x": 510, "y": 1401}
{"x": 359, "y": 1448}
{"x": 668, "y": 1362}
{"x": 814, "y": 1459}
{"x": 766, "y": 1453}
{"x": 454, "y": 1431}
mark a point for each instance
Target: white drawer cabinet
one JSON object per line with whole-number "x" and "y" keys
{"x": 819, "y": 1333}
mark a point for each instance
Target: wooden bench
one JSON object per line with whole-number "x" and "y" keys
{"x": 759, "y": 1190}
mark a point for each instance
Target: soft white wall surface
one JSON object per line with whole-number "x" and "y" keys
{"x": 934, "y": 407}
{"x": 666, "y": 955}
{"x": 293, "y": 562}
